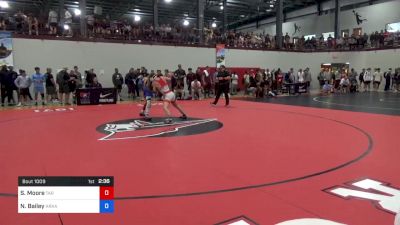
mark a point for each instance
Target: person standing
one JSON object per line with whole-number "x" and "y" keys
{"x": 223, "y": 78}
{"x": 361, "y": 78}
{"x": 307, "y": 78}
{"x": 234, "y": 83}
{"x": 246, "y": 82}
{"x": 190, "y": 77}
{"x": 129, "y": 81}
{"x": 50, "y": 86}
{"x": 118, "y": 81}
{"x": 38, "y": 80}
{"x": 207, "y": 83}
{"x": 367, "y": 80}
{"x": 6, "y": 86}
{"x": 148, "y": 95}
{"x": 180, "y": 75}
{"x": 377, "y": 79}
{"x": 80, "y": 80}
{"x": 60, "y": 83}
{"x": 388, "y": 77}
{"x": 160, "y": 84}
{"x": 23, "y": 82}
{"x": 13, "y": 76}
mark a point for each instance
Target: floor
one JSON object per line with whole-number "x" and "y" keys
{"x": 300, "y": 160}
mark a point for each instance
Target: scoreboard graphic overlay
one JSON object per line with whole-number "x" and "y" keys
{"x": 65, "y": 194}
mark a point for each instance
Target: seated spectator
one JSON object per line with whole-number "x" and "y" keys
{"x": 327, "y": 88}
{"x": 345, "y": 84}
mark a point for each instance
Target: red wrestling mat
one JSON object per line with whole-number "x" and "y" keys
{"x": 267, "y": 164}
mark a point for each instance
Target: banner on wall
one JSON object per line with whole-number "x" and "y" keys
{"x": 96, "y": 96}
{"x": 6, "y": 49}
{"x": 220, "y": 55}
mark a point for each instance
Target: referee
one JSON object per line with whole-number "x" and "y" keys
{"x": 223, "y": 78}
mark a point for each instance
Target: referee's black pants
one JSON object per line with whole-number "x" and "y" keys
{"x": 222, "y": 88}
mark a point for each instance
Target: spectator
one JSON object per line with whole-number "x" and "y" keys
{"x": 33, "y": 24}
{"x": 6, "y": 86}
{"x": 23, "y": 83}
{"x": 246, "y": 82}
{"x": 80, "y": 78}
{"x": 129, "y": 81}
{"x": 20, "y": 19}
{"x": 118, "y": 81}
{"x": 66, "y": 87}
{"x": 60, "y": 82}
{"x": 196, "y": 89}
{"x": 180, "y": 74}
{"x": 14, "y": 76}
{"x": 53, "y": 22}
{"x": 73, "y": 84}
{"x": 307, "y": 78}
{"x": 361, "y": 78}
{"x": 96, "y": 83}
{"x": 397, "y": 79}
{"x": 207, "y": 82}
{"x": 345, "y": 84}
{"x": 90, "y": 75}
{"x": 327, "y": 88}
{"x": 367, "y": 78}
{"x": 50, "y": 86}
{"x": 377, "y": 79}
{"x": 189, "y": 79}
{"x": 234, "y": 83}
{"x": 388, "y": 77}
{"x": 38, "y": 80}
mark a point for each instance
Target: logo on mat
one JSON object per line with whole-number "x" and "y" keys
{"x": 137, "y": 128}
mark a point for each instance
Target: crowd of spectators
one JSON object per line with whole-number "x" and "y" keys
{"x": 104, "y": 28}
{"x": 60, "y": 88}
{"x": 344, "y": 81}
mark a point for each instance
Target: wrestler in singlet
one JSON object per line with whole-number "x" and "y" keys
{"x": 161, "y": 84}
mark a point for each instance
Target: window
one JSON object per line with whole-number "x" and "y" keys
{"x": 357, "y": 31}
{"x": 393, "y": 27}
{"x": 345, "y": 33}
{"x": 326, "y": 35}
{"x": 306, "y": 37}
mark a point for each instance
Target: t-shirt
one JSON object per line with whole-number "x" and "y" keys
{"x": 49, "y": 83}
{"x": 235, "y": 79}
{"x": 38, "y": 80}
{"x": 223, "y": 74}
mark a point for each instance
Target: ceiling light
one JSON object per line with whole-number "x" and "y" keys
{"x": 168, "y": 1}
{"x": 77, "y": 12}
{"x": 4, "y": 4}
{"x": 214, "y": 25}
{"x": 66, "y": 27}
{"x": 137, "y": 10}
{"x": 137, "y": 18}
{"x": 221, "y": 7}
{"x": 242, "y": 16}
{"x": 185, "y": 15}
{"x": 186, "y": 23}
{"x": 271, "y": 6}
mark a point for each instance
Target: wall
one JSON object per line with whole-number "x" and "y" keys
{"x": 104, "y": 56}
{"x": 378, "y": 16}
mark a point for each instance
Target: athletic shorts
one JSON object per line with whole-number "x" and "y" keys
{"x": 170, "y": 97}
{"x": 50, "y": 90}
{"x": 24, "y": 92}
{"x": 367, "y": 82}
{"x": 377, "y": 82}
{"x": 38, "y": 89}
